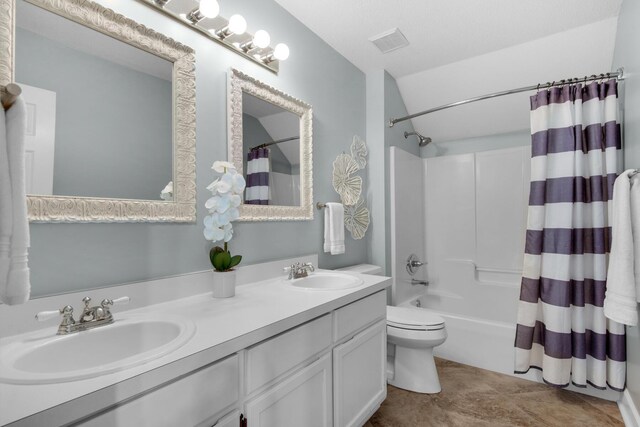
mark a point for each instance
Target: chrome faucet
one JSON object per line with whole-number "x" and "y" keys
{"x": 299, "y": 270}
{"x": 91, "y": 317}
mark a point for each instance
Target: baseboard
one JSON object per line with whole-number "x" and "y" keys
{"x": 629, "y": 411}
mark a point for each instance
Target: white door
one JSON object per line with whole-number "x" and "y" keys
{"x": 359, "y": 376}
{"x": 407, "y": 222}
{"x": 303, "y": 399}
{"x": 40, "y": 139}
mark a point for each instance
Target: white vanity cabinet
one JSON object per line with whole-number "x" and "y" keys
{"x": 321, "y": 370}
{"x": 328, "y": 372}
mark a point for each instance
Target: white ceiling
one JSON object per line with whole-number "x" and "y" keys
{"x": 461, "y": 49}
{"x": 440, "y": 31}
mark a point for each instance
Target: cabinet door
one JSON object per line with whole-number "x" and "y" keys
{"x": 359, "y": 379}
{"x": 302, "y": 399}
{"x": 192, "y": 400}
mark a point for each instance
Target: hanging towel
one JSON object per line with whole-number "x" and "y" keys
{"x": 17, "y": 285}
{"x": 334, "y": 228}
{"x": 6, "y": 209}
{"x": 623, "y": 277}
{"x": 257, "y": 192}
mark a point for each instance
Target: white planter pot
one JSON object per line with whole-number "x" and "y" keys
{"x": 224, "y": 284}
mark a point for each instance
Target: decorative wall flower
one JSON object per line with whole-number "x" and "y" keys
{"x": 359, "y": 151}
{"x": 356, "y": 219}
{"x": 349, "y": 187}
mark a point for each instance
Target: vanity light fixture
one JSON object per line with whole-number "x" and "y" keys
{"x": 280, "y": 53}
{"x": 237, "y": 25}
{"x": 261, "y": 39}
{"x": 232, "y": 33}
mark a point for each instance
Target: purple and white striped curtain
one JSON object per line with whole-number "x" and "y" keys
{"x": 575, "y": 158}
{"x": 257, "y": 191}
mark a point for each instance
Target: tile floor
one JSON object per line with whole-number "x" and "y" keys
{"x": 473, "y": 397}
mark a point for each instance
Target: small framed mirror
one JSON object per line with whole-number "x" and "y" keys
{"x": 110, "y": 113}
{"x": 270, "y": 143}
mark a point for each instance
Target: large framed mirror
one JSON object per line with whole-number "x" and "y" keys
{"x": 270, "y": 143}
{"x": 110, "y": 113}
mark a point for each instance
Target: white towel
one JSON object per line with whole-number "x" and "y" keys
{"x": 6, "y": 209}
{"x": 623, "y": 277}
{"x": 18, "y": 286}
{"x": 334, "y": 228}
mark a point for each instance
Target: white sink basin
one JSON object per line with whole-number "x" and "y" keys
{"x": 40, "y": 358}
{"x": 324, "y": 281}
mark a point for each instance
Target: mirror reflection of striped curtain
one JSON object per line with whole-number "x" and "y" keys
{"x": 257, "y": 191}
{"x": 575, "y": 158}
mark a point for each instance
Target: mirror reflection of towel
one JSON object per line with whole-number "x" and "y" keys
{"x": 257, "y": 191}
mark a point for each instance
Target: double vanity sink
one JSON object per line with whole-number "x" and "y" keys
{"x": 42, "y": 358}
{"x": 164, "y": 340}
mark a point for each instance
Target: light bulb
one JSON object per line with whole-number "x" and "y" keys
{"x": 209, "y": 8}
{"x": 261, "y": 39}
{"x": 281, "y": 52}
{"x": 237, "y": 24}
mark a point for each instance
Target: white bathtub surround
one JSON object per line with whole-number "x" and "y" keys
{"x": 260, "y": 310}
{"x": 623, "y": 276}
{"x": 334, "y": 228}
{"x": 15, "y": 287}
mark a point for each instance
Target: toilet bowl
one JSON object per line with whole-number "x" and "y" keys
{"x": 413, "y": 332}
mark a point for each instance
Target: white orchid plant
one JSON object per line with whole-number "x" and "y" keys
{"x": 223, "y": 209}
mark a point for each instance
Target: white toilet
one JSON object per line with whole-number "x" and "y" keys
{"x": 414, "y": 332}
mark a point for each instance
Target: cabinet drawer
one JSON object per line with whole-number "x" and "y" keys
{"x": 355, "y": 316}
{"x": 189, "y": 401}
{"x": 270, "y": 359}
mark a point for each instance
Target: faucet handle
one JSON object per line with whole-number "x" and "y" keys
{"x": 122, "y": 300}
{"x": 46, "y": 315}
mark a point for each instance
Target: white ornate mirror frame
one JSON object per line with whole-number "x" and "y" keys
{"x": 87, "y": 209}
{"x": 239, "y": 83}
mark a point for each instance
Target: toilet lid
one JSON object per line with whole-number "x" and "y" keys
{"x": 410, "y": 318}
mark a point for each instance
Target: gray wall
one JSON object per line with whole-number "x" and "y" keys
{"x": 383, "y": 102}
{"x": 627, "y": 55}
{"x": 113, "y": 124}
{"x": 70, "y": 257}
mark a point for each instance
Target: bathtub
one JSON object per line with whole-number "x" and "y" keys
{"x": 488, "y": 344}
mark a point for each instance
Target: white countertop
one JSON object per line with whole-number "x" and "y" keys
{"x": 223, "y": 326}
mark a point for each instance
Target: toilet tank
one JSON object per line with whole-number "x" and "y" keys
{"x": 376, "y": 270}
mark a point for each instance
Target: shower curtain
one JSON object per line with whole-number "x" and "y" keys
{"x": 575, "y": 158}
{"x": 257, "y": 191}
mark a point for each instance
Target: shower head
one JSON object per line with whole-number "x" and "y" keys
{"x": 422, "y": 140}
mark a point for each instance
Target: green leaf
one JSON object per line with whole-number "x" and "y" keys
{"x": 221, "y": 261}
{"x": 235, "y": 260}
{"x": 212, "y": 253}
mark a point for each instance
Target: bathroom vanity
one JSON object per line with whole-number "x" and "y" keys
{"x": 274, "y": 355}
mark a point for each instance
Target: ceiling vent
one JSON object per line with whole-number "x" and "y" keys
{"x": 389, "y": 40}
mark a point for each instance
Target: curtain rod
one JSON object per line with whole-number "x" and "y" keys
{"x": 617, "y": 75}
{"x": 274, "y": 142}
